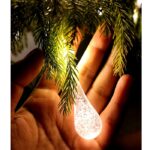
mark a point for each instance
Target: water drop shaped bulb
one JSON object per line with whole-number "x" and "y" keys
{"x": 87, "y": 121}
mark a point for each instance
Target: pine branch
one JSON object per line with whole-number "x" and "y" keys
{"x": 66, "y": 75}
{"x": 123, "y": 38}
{"x": 19, "y": 23}
{"x": 69, "y": 88}
{"x": 54, "y": 26}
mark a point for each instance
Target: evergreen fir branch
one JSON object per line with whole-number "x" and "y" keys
{"x": 123, "y": 38}
{"x": 54, "y": 59}
{"x": 107, "y": 17}
{"x": 19, "y": 23}
{"x": 91, "y": 12}
{"x": 54, "y": 26}
{"x": 69, "y": 88}
{"x": 66, "y": 73}
{"x": 116, "y": 19}
{"x": 46, "y": 37}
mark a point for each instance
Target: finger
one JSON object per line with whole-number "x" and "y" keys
{"x": 23, "y": 73}
{"x": 110, "y": 116}
{"x": 92, "y": 58}
{"x": 103, "y": 86}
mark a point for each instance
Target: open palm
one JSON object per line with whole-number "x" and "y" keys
{"x": 38, "y": 125}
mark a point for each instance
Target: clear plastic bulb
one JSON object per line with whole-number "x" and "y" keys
{"x": 87, "y": 121}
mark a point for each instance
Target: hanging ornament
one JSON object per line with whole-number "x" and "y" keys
{"x": 88, "y": 123}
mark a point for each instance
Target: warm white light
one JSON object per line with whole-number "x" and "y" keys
{"x": 135, "y": 16}
{"x": 87, "y": 121}
{"x": 100, "y": 11}
{"x": 139, "y": 3}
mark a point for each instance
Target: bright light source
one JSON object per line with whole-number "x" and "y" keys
{"x": 87, "y": 121}
{"x": 135, "y": 16}
{"x": 100, "y": 11}
{"x": 139, "y": 3}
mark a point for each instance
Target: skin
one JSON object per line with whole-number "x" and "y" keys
{"x": 38, "y": 125}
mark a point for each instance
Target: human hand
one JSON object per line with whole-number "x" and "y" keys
{"x": 38, "y": 124}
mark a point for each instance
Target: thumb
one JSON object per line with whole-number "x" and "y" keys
{"x": 23, "y": 72}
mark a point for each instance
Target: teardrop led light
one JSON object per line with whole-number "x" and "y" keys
{"x": 87, "y": 121}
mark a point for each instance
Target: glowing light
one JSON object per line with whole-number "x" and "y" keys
{"x": 135, "y": 16}
{"x": 139, "y": 3}
{"x": 100, "y": 11}
{"x": 87, "y": 121}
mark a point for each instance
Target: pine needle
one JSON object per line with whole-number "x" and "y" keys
{"x": 54, "y": 24}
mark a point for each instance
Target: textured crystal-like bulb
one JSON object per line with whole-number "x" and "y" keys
{"x": 87, "y": 121}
